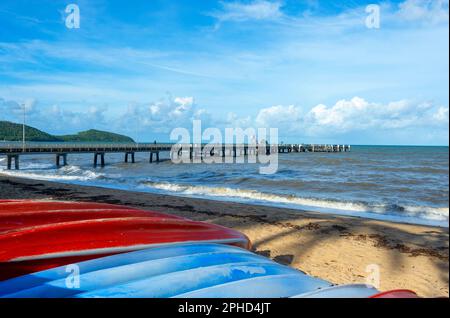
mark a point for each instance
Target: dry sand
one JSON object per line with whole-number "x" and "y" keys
{"x": 336, "y": 248}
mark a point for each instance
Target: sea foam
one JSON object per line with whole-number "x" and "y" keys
{"x": 429, "y": 213}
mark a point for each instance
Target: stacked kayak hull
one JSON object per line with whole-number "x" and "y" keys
{"x": 89, "y": 250}
{"x": 39, "y": 235}
{"x": 184, "y": 270}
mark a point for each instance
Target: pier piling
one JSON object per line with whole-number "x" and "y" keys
{"x": 102, "y": 159}
{"x": 151, "y": 156}
{"x": 132, "y": 157}
{"x": 9, "y": 161}
{"x": 58, "y": 159}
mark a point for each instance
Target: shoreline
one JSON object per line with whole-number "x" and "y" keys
{"x": 301, "y": 208}
{"x": 333, "y": 247}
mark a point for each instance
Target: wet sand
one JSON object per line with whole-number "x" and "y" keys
{"x": 336, "y": 248}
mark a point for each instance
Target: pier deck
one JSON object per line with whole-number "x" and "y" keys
{"x": 61, "y": 150}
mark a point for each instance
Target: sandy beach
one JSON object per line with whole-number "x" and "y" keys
{"x": 336, "y": 248}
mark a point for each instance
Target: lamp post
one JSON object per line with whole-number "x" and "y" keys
{"x": 137, "y": 133}
{"x": 23, "y": 128}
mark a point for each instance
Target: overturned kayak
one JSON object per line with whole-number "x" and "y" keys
{"x": 184, "y": 270}
{"x": 37, "y": 235}
{"x": 21, "y": 214}
{"x": 179, "y": 270}
{"x": 356, "y": 291}
{"x": 396, "y": 293}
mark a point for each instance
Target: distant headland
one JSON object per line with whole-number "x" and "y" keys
{"x": 10, "y": 131}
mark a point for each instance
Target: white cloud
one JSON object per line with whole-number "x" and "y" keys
{"x": 163, "y": 115}
{"x": 256, "y": 10}
{"x": 15, "y": 108}
{"x": 441, "y": 115}
{"x": 346, "y": 116}
{"x": 429, "y": 11}
{"x": 234, "y": 120}
{"x": 353, "y": 115}
{"x": 156, "y": 117}
{"x": 53, "y": 118}
{"x": 279, "y": 116}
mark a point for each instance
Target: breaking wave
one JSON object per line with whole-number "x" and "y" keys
{"x": 67, "y": 173}
{"x": 377, "y": 209}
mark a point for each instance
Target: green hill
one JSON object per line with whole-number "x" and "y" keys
{"x": 96, "y": 135}
{"x": 13, "y": 132}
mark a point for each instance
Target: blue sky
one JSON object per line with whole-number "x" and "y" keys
{"x": 310, "y": 68}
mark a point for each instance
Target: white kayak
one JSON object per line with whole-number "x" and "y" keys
{"x": 342, "y": 291}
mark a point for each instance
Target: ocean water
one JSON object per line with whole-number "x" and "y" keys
{"x": 402, "y": 184}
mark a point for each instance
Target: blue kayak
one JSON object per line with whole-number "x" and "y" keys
{"x": 178, "y": 270}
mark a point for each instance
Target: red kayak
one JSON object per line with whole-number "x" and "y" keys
{"x": 396, "y": 293}
{"x": 37, "y": 235}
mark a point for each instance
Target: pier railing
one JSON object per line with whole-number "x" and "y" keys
{"x": 38, "y": 147}
{"x": 50, "y": 147}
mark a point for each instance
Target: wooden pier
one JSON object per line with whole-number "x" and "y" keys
{"x": 13, "y": 151}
